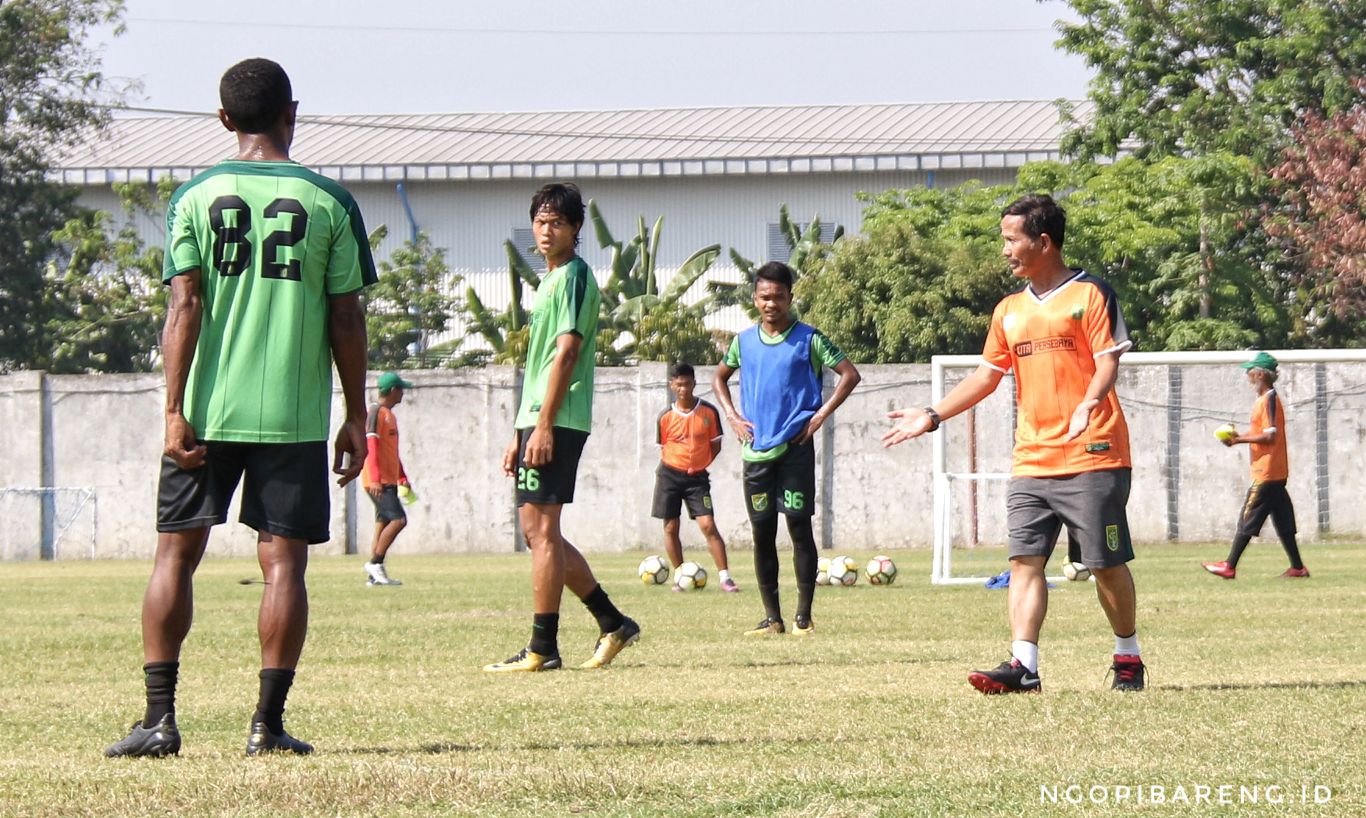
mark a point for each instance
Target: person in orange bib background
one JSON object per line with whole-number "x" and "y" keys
{"x": 383, "y": 476}
{"x": 1267, "y": 496}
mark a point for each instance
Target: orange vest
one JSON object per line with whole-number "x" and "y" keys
{"x": 1270, "y": 461}
{"x": 686, "y": 437}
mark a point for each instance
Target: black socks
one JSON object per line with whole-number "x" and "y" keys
{"x": 609, "y": 618}
{"x": 270, "y": 707}
{"x": 160, "y": 678}
{"x": 545, "y": 634}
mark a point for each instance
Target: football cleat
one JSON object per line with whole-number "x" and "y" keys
{"x": 376, "y": 575}
{"x": 527, "y": 662}
{"x": 768, "y": 627}
{"x": 804, "y": 627}
{"x": 1129, "y": 673}
{"x": 263, "y": 741}
{"x": 157, "y": 741}
{"x": 610, "y": 644}
{"x": 1220, "y": 569}
{"x": 1295, "y": 573}
{"x": 729, "y": 586}
{"x": 1007, "y": 677}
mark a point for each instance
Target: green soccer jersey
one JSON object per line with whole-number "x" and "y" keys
{"x": 272, "y": 241}
{"x": 566, "y": 301}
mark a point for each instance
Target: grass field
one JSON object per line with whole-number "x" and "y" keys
{"x": 1254, "y": 683}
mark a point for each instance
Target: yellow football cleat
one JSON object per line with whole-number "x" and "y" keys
{"x": 804, "y": 627}
{"x": 610, "y": 644}
{"x": 768, "y": 627}
{"x": 526, "y": 662}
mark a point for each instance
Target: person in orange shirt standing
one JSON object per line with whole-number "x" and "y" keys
{"x": 383, "y": 476}
{"x": 1270, "y": 469}
{"x": 689, "y": 436}
{"x": 1062, "y": 335}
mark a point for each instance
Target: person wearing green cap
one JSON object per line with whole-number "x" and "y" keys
{"x": 1270, "y": 469}
{"x": 383, "y": 477}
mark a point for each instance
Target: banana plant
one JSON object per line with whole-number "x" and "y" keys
{"x": 632, "y": 291}
{"x": 498, "y": 328}
{"x": 804, "y": 247}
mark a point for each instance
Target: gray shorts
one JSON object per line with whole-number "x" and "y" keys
{"x": 1090, "y": 504}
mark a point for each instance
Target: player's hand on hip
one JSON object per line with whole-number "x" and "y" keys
{"x": 743, "y": 428}
{"x": 349, "y": 451}
{"x": 910, "y": 423}
{"x": 181, "y": 444}
{"x": 510, "y": 459}
{"x": 1081, "y": 418}
{"x": 809, "y": 430}
{"x": 540, "y": 448}
{"x": 375, "y": 489}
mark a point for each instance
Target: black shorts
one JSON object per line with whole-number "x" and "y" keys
{"x": 285, "y": 491}
{"x": 553, "y": 483}
{"x": 787, "y": 483}
{"x": 1267, "y": 499}
{"x": 1091, "y": 505}
{"x": 387, "y": 506}
{"x": 674, "y": 488}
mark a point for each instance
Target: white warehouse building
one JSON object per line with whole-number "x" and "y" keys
{"x": 716, "y": 175}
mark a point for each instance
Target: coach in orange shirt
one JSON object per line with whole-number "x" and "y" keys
{"x": 1270, "y": 470}
{"x": 1062, "y": 335}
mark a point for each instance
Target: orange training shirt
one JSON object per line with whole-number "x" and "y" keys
{"x": 382, "y": 464}
{"x": 1052, "y": 344}
{"x": 1270, "y": 461}
{"x": 686, "y": 437}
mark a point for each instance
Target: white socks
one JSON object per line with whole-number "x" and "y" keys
{"x": 1027, "y": 653}
{"x": 1127, "y": 645}
{"x": 722, "y": 575}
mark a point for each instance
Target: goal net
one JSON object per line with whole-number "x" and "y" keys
{"x": 48, "y": 523}
{"x": 1185, "y": 484}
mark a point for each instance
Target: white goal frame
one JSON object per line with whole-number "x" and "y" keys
{"x": 941, "y": 570}
{"x": 81, "y": 496}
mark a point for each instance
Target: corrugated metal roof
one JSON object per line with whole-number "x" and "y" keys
{"x": 667, "y": 142}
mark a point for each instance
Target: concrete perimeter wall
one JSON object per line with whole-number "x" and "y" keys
{"x": 105, "y": 432}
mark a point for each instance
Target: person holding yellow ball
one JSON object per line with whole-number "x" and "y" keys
{"x": 384, "y": 478}
{"x": 1267, "y": 496}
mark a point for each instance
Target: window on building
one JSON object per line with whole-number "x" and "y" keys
{"x": 525, "y": 242}
{"x": 777, "y": 242}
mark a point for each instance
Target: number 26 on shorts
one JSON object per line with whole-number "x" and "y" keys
{"x": 528, "y": 479}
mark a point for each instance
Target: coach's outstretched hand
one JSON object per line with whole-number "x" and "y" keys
{"x": 350, "y": 441}
{"x": 912, "y": 423}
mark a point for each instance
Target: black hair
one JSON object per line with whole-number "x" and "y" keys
{"x": 776, "y": 272}
{"x": 562, "y": 198}
{"x": 255, "y": 93}
{"x": 1041, "y": 216}
{"x": 681, "y": 370}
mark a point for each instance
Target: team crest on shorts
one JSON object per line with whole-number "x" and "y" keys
{"x": 1112, "y": 537}
{"x": 706, "y": 501}
{"x": 758, "y": 502}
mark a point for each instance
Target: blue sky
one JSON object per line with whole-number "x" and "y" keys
{"x": 419, "y": 56}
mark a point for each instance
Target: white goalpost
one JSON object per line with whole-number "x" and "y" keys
{"x": 48, "y": 522}
{"x": 1171, "y": 400}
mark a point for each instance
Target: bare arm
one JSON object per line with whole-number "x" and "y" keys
{"x": 178, "y": 340}
{"x": 346, "y": 335}
{"x": 849, "y": 378}
{"x": 720, "y": 385}
{"x": 1107, "y": 370}
{"x": 913, "y": 423}
{"x": 540, "y": 447}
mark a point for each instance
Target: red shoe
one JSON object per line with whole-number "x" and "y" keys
{"x": 1220, "y": 569}
{"x": 1292, "y": 573}
{"x": 1129, "y": 673}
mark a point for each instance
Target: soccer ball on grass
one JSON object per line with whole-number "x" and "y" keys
{"x": 690, "y": 577}
{"x": 1076, "y": 572}
{"x": 843, "y": 571}
{"x": 653, "y": 570}
{"x": 880, "y": 570}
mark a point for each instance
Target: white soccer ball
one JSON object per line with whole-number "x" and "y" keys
{"x": 843, "y": 571}
{"x": 1076, "y": 572}
{"x": 823, "y": 571}
{"x": 653, "y": 570}
{"x": 690, "y": 577}
{"x": 880, "y": 570}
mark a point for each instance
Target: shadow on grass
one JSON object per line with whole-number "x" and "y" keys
{"x": 625, "y": 744}
{"x": 1266, "y": 686}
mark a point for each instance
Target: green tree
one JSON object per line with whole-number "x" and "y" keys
{"x": 506, "y": 333}
{"x": 410, "y": 302}
{"x": 105, "y": 303}
{"x": 51, "y": 91}
{"x": 1191, "y": 76}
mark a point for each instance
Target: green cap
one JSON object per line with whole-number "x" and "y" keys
{"x": 389, "y": 380}
{"x": 1262, "y": 361}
